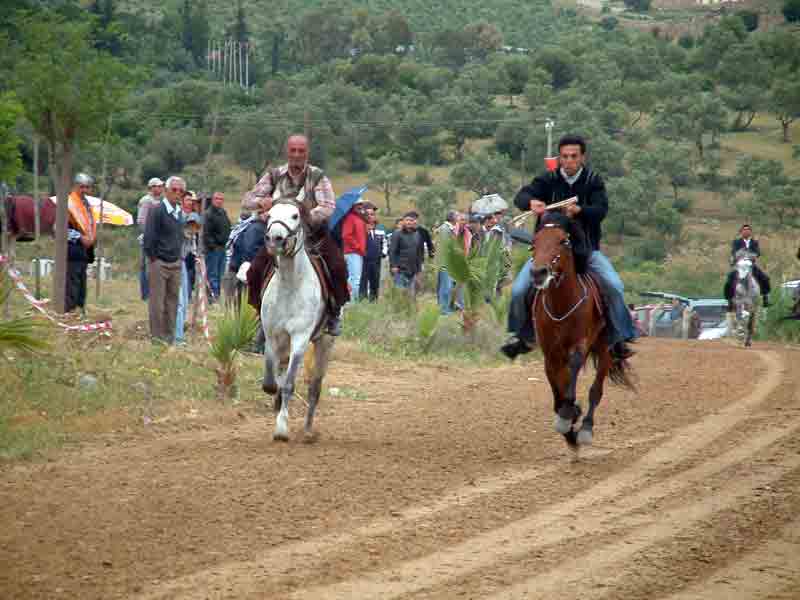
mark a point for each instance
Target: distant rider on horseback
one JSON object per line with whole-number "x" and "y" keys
{"x": 573, "y": 178}
{"x": 746, "y": 242}
{"x": 300, "y": 182}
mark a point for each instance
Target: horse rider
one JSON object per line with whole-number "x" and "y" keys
{"x": 746, "y": 242}
{"x": 574, "y": 178}
{"x": 304, "y": 184}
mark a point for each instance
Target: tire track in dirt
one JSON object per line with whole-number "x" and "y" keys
{"x": 599, "y": 565}
{"x": 237, "y": 579}
{"x": 774, "y": 566}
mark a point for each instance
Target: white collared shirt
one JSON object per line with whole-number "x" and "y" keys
{"x": 175, "y": 211}
{"x": 574, "y": 178}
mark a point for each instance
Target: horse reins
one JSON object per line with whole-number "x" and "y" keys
{"x": 571, "y": 310}
{"x": 291, "y": 234}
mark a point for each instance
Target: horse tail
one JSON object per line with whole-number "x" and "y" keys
{"x": 620, "y": 374}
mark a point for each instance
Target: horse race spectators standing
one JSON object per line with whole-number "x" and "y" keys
{"x": 406, "y": 254}
{"x": 216, "y": 230}
{"x": 81, "y": 236}
{"x": 354, "y": 246}
{"x": 155, "y": 194}
{"x": 192, "y": 223}
{"x": 163, "y": 245}
{"x": 300, "y": 182}
{"x": 574, "y": 178}
{"x": 426, "y": 241}
{"x": 444, "y": 283}
{"x": 376, "y": 250}
{"x": 745, "y": 241}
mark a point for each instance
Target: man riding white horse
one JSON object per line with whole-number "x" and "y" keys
{"x": 302, "y": 183}
{"x": 746, "y": 243}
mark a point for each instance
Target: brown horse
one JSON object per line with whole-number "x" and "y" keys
{"x": 570, "y": 327}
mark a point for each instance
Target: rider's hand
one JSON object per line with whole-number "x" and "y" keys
{"x": 573, "y": 210}
{"x": 395, "y": 270}
{"x": 538, "y": 207}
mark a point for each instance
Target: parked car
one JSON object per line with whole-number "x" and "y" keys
{"x": 708, "y": 317}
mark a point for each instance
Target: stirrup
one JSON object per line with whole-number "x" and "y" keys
{"x": 515, "y": 346}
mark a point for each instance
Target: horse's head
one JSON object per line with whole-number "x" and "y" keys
{"x": 284, "y": 230}
{"x": 552, "y": 249}
{"x": 744, "y": 266}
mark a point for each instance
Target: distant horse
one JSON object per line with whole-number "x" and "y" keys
{"x": 21, "y": 219}
{"x": 293, "y": 311}
{"x": 570, "y": 327}
{"x": 743, "y": 290}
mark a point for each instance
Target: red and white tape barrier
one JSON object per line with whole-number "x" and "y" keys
{"x": 39, "y": 304}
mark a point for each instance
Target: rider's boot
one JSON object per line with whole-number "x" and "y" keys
{"x": 621, "y": 351}
{"x": 334, "y": 327}
{"x": 516, "y": 345}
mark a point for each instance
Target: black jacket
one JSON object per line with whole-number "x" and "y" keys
{"x": 405, "y": 252}
{"x": 216, "y": 230}
{"x": 551, "y": 187}
{"x": 163, "y": 234}
{"x": 375, "y": 239}
{"x": 738, "y": 244}
{"x": 427, "y": 241}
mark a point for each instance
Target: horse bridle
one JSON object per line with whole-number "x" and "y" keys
{"x": 557, "y": 279}
{"x": 291, "y": 235}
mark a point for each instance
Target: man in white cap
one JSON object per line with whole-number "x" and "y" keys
{"x": 155, "y": 195}
{"x": 81, "y": 236}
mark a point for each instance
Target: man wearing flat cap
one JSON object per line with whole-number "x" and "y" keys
{"x": 154, "y": 195}
{"x": 81, "y": 237}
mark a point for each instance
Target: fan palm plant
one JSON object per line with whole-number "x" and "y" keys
{"x": 24, "y": 334}
{"x": 235, "y": 331}
{"x": 479, "y": 271}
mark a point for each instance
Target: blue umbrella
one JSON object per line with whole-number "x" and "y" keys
{"x": 344, "y": 204}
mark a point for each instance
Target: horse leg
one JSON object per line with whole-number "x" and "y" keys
{"x": 595, "y": 395}
{"x": 751, "y": 321}
{"x": 270, "y": 383}
{"x": 287, "y": 390}
{"x": 322, "y": 350}
{"x": 569, "y": 411}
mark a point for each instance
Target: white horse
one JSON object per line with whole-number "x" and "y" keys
{"x": 745, "y": 298}
{"x": 292, "y": 311}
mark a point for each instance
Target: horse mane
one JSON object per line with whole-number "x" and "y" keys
{"x": 557, "y": 219}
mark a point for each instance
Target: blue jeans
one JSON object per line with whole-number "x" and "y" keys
{"x": 144, "y": 283}
{"x": 620, "y": 325}
{"x": 183, "y": 304}
{"x": 444, "y": 291}
{"x": 355, "y": 266}
{"x": 404, "y": 280}
{"x": 215, "y": 263}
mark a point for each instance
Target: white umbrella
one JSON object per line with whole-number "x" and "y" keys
{"x": 112, "y": 214}
{"x": 490, "y": 204}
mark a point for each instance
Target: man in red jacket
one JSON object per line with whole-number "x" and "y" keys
{"x": 354, "y": 242}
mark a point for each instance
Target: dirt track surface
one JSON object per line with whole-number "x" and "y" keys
{"x": 438, "y": 482}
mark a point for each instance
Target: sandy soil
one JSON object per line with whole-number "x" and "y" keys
{"x": 437, "y": 482}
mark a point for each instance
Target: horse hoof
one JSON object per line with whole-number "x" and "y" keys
{"x": 562, "y": 425}
{"x": 585, "y": 437}
{"x": 572, "y": 439}
{"x": 270, "y": 388}
{"x": 280, "y": 437}
{"x": 309, "y": 437}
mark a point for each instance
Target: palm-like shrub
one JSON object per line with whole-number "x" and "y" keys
{"x": 24, "y": 334}
{"x": 235, "y": 331}
{"x": 479, "y": 271}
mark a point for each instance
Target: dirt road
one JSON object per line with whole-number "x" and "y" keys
{"x": 438, "y": 482}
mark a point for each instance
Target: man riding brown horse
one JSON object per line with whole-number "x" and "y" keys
{"x": 306, "y": 185}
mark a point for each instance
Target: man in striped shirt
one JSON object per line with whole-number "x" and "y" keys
{"x": 307, "y": 185}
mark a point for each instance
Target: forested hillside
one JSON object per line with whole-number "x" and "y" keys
{"x": 429, "y": 106}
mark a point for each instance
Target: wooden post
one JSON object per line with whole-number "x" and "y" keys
{"x": 97, "y": 243}
{"x": 37, "y": 230}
